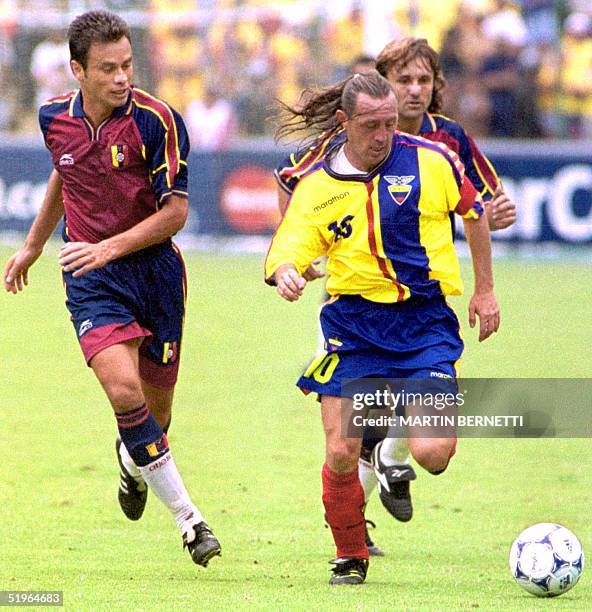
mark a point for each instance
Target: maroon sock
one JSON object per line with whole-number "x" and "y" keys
{"x": 343, "y": 498}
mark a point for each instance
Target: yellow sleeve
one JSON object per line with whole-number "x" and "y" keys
{"x": 298, "y": 239}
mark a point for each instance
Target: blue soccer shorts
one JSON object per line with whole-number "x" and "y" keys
{"x": 141, "y": 295}
{"x": 417, "y": 338}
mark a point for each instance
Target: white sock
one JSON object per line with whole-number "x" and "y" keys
{"x": 394, "y": 451}
{"x": 129, "y": 464}
{"x": 367, "y": 478}
{"x": 165, "y": 482}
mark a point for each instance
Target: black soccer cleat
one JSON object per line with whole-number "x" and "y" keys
{"x": 393, "y": 482}
{"x": 132, "y": 495}
{"x": 348, "y": 570}
{"x": 204, "y": 546}
{"x": 373, "y": 550}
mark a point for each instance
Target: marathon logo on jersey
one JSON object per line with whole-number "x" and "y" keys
{"x": 330, "y": 201}
{"x": 155, "y": 449}
{"x": 119, "y": 155}
{"x": 169, "y": 353}
{"x": 84, "y": 327}
{"x": 66, "y": 160}
{"x": 399, "y": 187}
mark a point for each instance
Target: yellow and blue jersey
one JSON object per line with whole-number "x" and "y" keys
{"x": 433, "y": 127}
{"x": 386, "y": 233}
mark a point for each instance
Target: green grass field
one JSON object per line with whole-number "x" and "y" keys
{"x": 250, "y": 448}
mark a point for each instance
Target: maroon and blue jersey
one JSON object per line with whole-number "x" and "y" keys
{"x": 117, "y": 174}
{"x": 434, "y": 127}
{"x": 478, "y": 168}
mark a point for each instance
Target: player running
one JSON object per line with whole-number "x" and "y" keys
{"x": 377, "y": 206}
{"x": 412, "y": 67}
{"x": 121, "y": 178}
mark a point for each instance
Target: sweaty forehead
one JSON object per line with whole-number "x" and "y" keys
{"x": 366, "y": 106}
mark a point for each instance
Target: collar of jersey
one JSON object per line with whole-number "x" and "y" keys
{"x": 427, "y": 125}
{"x": 364, "y": 178}
{"x": 78, "y": 110}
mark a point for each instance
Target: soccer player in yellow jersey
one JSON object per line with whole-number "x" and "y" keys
{"x": 412, "y": 67}
{"x": 378, "y": 206}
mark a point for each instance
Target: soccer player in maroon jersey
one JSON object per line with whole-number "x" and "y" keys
{"x": 120, "y": 180}
{"x": 412, "y": 67}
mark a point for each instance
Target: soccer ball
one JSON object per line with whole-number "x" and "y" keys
{"x": 546, "y": 559}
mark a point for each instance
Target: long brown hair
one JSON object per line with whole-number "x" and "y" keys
{"x": 315, "y": 116}
{"x": 398, "y": 53}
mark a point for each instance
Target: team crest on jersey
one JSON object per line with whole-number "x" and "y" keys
{"x": 119, "y": 155}
{"x": 399, "y": 187}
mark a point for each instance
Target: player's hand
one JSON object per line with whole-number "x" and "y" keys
{"x": 16, "y": 271}
{"x": 312, "y": 272}
{"x": 290, "y": 284}
{"x": 484, "y": 306}
{"x": 501, "y": 211}
{"x": 82, "y": 257}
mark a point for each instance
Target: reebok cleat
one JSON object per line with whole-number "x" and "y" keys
{"x": 393, "y": 482}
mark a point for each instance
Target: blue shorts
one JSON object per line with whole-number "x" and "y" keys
{"x": 417, "y": 338}
{"x": 141, "y": 295}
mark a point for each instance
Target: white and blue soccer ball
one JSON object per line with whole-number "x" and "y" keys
{"x": 546, "y": 559}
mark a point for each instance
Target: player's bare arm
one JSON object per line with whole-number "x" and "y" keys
{"x": 83, "y": 256}
{"x": 501, "y": 211}
{"x": 290, "y": 284}
{"x": 16, "y": 271}
{"x": 483, "y": 303}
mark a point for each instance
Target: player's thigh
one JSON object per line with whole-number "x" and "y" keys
{"x": 431, "y": 432}
{"x": 163, "y": 313}
{"x": 433, "y": 454}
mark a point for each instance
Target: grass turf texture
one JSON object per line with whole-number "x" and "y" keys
{"x": 250, "y": 448}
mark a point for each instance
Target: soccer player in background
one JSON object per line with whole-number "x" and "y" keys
{"x": 378, "y": 206}
{"x": 413, "y": 69}
{"x": 120, "y": 177}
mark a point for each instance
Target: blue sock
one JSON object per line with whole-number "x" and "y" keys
{"x": 142, "y": 436}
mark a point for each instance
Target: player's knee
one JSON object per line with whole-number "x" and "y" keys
{"x": 433, "y": 454}
{"x": 124, "y": 394}
{"x": 342, "y": 455}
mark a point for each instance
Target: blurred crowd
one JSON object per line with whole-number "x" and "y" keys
{"x": 514, "y": 68}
